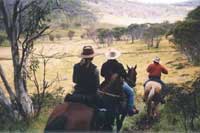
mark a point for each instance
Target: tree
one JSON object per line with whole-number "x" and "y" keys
{"x": 133, "y": 29}
{"x": 154, "y": 34}
{"x": 194, "y": 15}
{"x": 186, "y": 36}
{"x": 105, "y": 36}
{"x": 70, "y": 34}
{"x": 24, "y": 22}
{"x": 91, "y": 33}
{"x": 118, "y": 32}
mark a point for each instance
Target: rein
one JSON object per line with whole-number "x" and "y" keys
{"x": 109, "y": 94}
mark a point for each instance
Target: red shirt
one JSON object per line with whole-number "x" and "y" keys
{"x": 155, "y": 70}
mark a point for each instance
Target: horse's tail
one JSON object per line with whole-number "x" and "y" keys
{"x": 149, "y": 101}
{"x": 151, "y": 94}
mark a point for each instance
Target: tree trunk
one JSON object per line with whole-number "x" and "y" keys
{"x": 6, "y": 103}
{"x": 132, "y": 38}
{"x": 151, "y": 44}
{"x": 21, "y": 93}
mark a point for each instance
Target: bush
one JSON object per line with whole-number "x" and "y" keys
{"x": 50, "y": 98}
{"x": 51, "y": 37}
{"x": 183, "y": 107}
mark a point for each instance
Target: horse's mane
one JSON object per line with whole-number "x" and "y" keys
{"x": 114, "y": 86}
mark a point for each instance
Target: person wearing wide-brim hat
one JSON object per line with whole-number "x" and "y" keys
{"x": 112, "y": 66}
{"x": 155, "y": 70}
{"x": 85, "y": 73}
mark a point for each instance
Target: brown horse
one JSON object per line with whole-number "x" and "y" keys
{"x": 152, "y": 90}
{"x": 74, "y": 116}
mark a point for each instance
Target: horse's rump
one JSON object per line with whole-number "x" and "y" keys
{"x": 149, "y": 93}
{"x": 71, "y": 116}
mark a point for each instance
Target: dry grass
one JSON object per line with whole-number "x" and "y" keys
{"x": 180, "y": 71}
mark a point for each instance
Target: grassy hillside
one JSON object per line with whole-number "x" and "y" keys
{"x": 180, "y": 70}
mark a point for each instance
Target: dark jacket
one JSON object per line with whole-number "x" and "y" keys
{"x": 111, "y": 67}
{"x": 86, "y": 79}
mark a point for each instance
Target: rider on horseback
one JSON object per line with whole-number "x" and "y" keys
{"x": 112, "y": 66}
{"x": 155, "y": 69}
{"x": 85, "y": 74}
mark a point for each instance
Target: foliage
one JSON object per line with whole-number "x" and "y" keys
{"x": 133, "y": 31}
{"x": 194, "y": 15}
{"x": 154, "y": 33}
{"x": 186, "y": 36}
{"x": 24, "y": 22}
{"x": 118, "y": 32}
{"x": 50, "y": 100}
{"x": 103, "y": 34}
{"x": 183, "y": 107}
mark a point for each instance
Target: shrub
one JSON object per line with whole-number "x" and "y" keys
{"x": 51, "y": 37}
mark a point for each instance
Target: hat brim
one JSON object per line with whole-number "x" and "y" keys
{"x": 117, "y": 55}
{"x": 156, "y": 61}
{"x": 87, "y": 56}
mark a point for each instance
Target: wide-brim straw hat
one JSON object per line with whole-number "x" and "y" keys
{"x": 88, "y": 52}
{"x": 112, "y": 54}
{"x": 156, "y": 59}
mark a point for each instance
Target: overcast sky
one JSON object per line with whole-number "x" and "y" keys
{"x": 160, "y": 1}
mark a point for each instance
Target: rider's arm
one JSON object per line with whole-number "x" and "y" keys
{"x": 149, "y": 68}
{"x": 164, "y": 70}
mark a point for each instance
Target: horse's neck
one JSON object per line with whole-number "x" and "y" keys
{"x": 113, "y": 87}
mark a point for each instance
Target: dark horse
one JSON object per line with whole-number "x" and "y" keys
{"x": 76, "y": 116}
{"x": 131, "y": 80}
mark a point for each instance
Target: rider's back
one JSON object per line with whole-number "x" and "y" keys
{"x": 155, "y": 70}
{"x": 86, "y": 79}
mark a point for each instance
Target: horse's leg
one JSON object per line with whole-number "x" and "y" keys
{"x": 120, "y": 122}
{"x": 156, "y": 113}
{"x": 149, "y": 109}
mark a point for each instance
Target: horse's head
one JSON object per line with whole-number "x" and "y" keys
{"x": 131, "y": 76}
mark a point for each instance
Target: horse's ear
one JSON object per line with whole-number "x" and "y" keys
{"x": 135, "y": 67}
{"x": 128, "y": 67}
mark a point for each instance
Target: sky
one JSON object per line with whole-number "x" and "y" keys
{"x": 160, "y": 1}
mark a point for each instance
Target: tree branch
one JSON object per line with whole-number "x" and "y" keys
{"x": 27, "y": 42}
{"x": 7, "y": 86}
{"x": 37, "y": 35}
{"x": 15, "y": 12}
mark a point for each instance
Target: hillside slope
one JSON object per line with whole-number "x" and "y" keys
{"x": 124, "y": 12}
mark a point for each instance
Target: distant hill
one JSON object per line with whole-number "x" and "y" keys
{"x": 124, "y": 12}
{"x": 192, "y": 3}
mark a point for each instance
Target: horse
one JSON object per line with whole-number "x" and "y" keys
{"x": 76, "y": 116}
{"x": 131, "y": 80}
{"x": 151, "y": 94}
